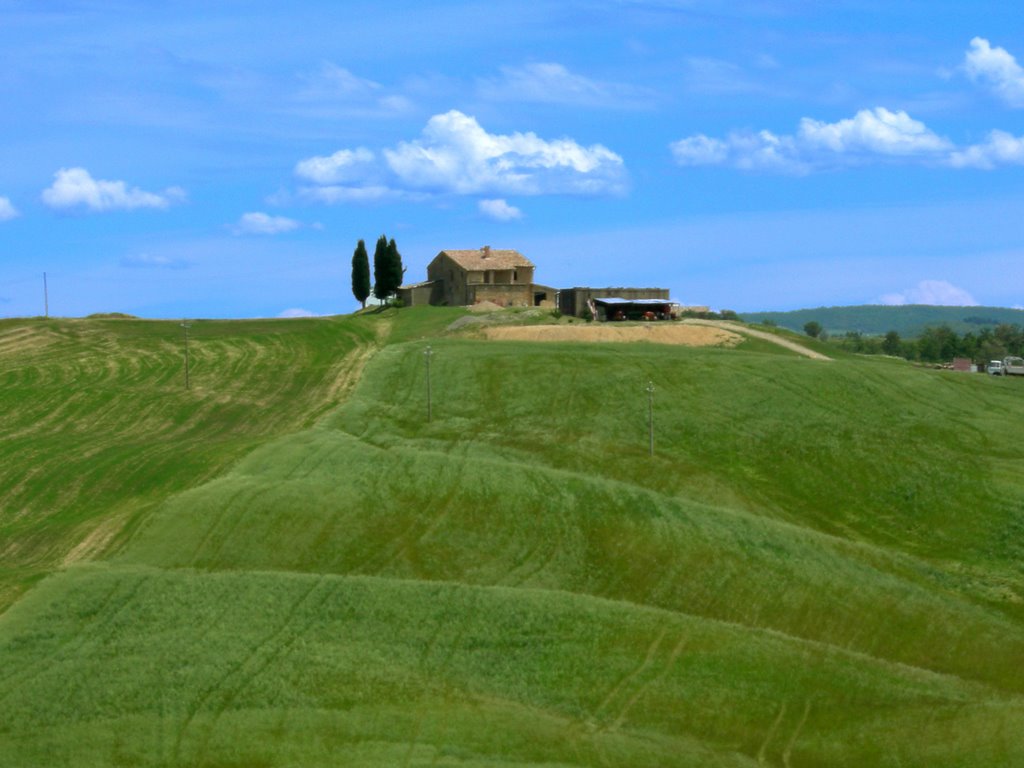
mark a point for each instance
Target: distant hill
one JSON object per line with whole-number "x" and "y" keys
{"x": 877, "y": 319}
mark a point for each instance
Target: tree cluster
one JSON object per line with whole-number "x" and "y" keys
{"x": 941, "y": 344}
{"x": 387, "y": 270}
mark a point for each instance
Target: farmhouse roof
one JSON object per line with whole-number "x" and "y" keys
{"x": 613, "y": 300}
{"x": 422, "y": 284}
{"x": 478, "y": 259}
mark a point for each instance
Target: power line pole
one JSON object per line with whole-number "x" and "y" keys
{"x": 650, "y": 414}
{"x": 186, "y": 326}
{"x": 46, "y": 296}
{"x": 427, "y": 354}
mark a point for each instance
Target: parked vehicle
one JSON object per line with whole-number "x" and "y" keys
{"x": 1013, "y": 366}
{"x": 995, "y": 367}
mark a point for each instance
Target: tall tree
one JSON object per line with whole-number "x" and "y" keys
{"x": 395, "y": 270}
{"x": 892, "y": 345}
{"x": 361, "y": 274}
{"x": 381, "y": 285}
{"x": 812, "y": 328}
{"x": 387, "y": 268}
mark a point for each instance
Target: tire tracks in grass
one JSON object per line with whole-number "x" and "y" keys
{"x": 83, "y": 635}
{"x": 208, "y": 536}
{"x": 639, "y": 682}
{"x": 626, "y": 681}
{"x": 246, "y": 670}
{"x": 414, "y": 533}
{"x": 644, "y": 687}
{"x": 444, "y": 665}
{"x": 787, "y": 752}
{"x": 530, "y": 566}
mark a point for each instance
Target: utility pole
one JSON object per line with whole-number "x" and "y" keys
{"x": 427, "y": 354}
{"x": 186, "y": 326}
{"x": 46, "y": 296}
{"x": 650, "y": 414}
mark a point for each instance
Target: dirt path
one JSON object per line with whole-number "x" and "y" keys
{"x": 689, "y": 333}
{"x": 740, "y": 328}
{"x": 657, "y": 333}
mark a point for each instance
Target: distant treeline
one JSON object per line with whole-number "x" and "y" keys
{"x": 910, "y": 321}
{"x": 939, "y": 344}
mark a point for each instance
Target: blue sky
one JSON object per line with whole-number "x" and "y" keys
{"x": 221, "y": 159}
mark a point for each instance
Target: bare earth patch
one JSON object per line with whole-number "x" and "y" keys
{"x": 96, "y": 541}
{"x": 657, "y": 333}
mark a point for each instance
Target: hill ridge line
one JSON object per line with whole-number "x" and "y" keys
{"x": 322, "y": 577}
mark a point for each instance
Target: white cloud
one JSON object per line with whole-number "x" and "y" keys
{"x": 552, "y": 83}
{"x": 997, "y": 68}
{"x": 748, "y": 151}
{"x": 499, "y": 210}
{"x": 455, "y": 155}
{"x": 936, "y": 292}
{"x": 74, "y": 187}
{"x": 870, "y": 133}
{"x": 335, "y": 194}
{"x": 297, "y": 312}
{"x": 1001, "y": 148}
{"x": 700, "y": 150}
{"x": 874, "y": 131}
{"x": 148, "y": 261}
{"x": 7, "y": 210}
{"x": 343, "y": 165}
{"x": 258, "y": 223}
{"x": 335, "y": 91}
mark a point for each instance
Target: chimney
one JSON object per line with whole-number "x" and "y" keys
{"x": 485, "y": 252}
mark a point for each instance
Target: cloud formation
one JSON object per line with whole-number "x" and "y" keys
{"x": 7, "y": 210}
{"x": 996, "y": 68}
{"x": 334, "y": 91}
{"x": 936, "y": 292}
{"x": 343, "y": 165}
{"x": 75, "y": 187}
{"x": 297, "y": 312}
{"x": 258, "y": 223}
{"x": 455, "y": 155}
{"x": 499, "y": 210}
{"x": 148, "y": 261}
{"x": 868, "y": 135}
{"x": 1001, "y": 148}
{"x": 552, "y": 83}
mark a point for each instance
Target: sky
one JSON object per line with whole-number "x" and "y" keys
{"x": 221, "y": 159}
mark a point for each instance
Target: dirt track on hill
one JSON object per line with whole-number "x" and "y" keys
{"x": 782, "y": 342}
{"x": 657, "y": 333}
{"x": 689, "y": 333}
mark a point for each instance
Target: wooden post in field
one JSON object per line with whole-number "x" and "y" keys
{"x": 650, "y": 414}
{"x": 426, "y": 354}
{"x": 186, "y": 326}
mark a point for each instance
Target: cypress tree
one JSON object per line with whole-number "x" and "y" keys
{"x": 395, "y": 271}
{"x": 381, "y": 285}
{"x": 361, "y": 274}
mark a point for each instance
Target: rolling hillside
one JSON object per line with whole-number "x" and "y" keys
{"x": 289, "y": 565}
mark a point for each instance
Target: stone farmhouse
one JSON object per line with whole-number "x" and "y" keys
{"x": 505, "y": 277}
{"x": 465, "y": 277}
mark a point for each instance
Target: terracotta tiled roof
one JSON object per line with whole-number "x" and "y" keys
{"x": 478, "y": 259}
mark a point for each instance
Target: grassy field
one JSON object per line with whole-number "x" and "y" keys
{"x": 97, "y": 426}
{"x": 821, "y": 565}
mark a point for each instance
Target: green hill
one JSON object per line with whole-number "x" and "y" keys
{"x": 289, "y": 565}
{"x": 876, "y": 320}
